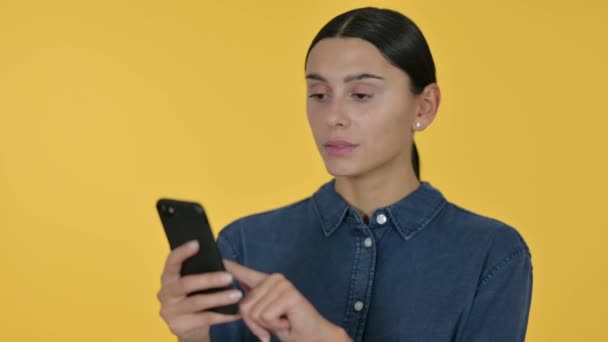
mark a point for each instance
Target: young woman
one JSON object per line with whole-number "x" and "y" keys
{"x": 375, "y": 254}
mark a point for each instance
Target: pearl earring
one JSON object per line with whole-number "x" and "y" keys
{"x": 418, "y": 125}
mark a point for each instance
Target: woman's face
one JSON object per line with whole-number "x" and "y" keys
{"x": 360, "y": 107}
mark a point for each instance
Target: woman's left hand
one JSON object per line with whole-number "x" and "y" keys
{"x": 273, "y": 306}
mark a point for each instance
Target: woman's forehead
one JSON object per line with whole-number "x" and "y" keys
{"x": 332, "y": 53}
{"x": 338, "y": 58}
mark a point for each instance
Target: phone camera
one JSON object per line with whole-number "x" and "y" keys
{"x": 167, "y": 209}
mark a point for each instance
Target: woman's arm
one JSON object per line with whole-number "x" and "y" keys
{"x": 502, "y": 303}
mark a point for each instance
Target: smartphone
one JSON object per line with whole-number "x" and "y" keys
{"x": 185, "y": 221}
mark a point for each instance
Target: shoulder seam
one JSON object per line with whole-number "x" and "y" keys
{"x": 227, "y": 242}
{"x": 501, "y": 265}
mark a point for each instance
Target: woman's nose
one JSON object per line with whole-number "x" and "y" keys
{"x": 338, "y": 114}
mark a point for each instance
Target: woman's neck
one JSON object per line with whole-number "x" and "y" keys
{"x": 378, "y": 188}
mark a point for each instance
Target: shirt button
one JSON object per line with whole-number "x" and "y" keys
{"x": 381, "y": 219}
{"x": 358, "y": 306}
{"x": 368, "y": 242}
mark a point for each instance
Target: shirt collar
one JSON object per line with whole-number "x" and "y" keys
{"x": 408, "y": 215}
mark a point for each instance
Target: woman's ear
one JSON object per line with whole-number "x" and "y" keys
{"x": 428, "y": 104}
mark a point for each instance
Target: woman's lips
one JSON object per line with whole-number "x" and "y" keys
{"x": 339, "y": 147}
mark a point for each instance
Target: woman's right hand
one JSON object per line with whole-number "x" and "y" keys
{"x": 187, "y": 317}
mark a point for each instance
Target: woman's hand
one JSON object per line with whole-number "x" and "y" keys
{"x": 184, "y": 315}
{"x": 274, "y": 306}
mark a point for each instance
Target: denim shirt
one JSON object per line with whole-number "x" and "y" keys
{"x": 422, "y": 269}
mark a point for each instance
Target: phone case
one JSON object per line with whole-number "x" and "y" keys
{"x": 185, "y": 221}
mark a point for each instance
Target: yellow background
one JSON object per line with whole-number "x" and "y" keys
{"x": 107, "y": 105}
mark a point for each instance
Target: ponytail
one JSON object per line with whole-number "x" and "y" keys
{"x": 415, "y": 160}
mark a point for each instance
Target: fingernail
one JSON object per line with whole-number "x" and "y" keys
{"x": 235, "y": 294}
{"x": 265, "y": 339}
{"x": 193, "y": 244}
{"x": 226, "y": 278}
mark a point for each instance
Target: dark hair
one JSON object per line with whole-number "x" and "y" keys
{"x": 396, "y": 37}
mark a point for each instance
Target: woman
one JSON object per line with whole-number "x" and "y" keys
{"x": 375, "y": 254}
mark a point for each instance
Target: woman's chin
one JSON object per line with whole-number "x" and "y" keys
{"x": 342, "y": 170}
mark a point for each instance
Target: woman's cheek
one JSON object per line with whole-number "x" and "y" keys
{"x": 317, "y": 126}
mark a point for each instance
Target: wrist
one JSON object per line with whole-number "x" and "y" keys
{"x": 336, "y": 333}
{"x": 341, "y": 335}
{"x": 202, "y": 339}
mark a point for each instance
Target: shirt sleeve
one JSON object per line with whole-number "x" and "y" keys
{"x": 501, "y": 305}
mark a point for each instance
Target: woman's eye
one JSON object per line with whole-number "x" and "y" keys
{"x": 362, "y": 96}
{"x": 317, "y": 96}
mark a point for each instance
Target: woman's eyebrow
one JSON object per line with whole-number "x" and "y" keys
{"x": 316, "y": 77}
{"x": 361, "y": 76}
{"x": 349, "y": 78}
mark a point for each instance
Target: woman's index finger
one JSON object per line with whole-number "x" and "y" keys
{"x": 244, "y": 274}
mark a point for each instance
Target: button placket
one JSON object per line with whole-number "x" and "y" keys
{"x": 362, "y": 279}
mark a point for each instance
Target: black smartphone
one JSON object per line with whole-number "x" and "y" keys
{"x": 185, "y": 221}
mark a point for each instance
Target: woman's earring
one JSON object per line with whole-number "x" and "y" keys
{"x": 418, "y": 125}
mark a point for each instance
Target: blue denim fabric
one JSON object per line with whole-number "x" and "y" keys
{"x": 431, "y": 271}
